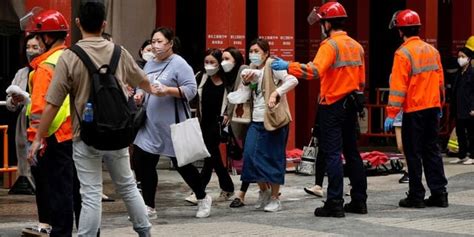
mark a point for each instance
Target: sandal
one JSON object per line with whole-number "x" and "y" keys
{"x": 237, "y": 202}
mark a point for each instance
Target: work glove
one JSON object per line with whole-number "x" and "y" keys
{"x": 279, "y": 64}
{"x": 388, "y": 125}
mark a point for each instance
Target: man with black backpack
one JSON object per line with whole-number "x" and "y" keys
{"x": 95, "y": 73}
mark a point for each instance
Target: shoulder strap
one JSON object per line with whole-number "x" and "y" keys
{"x": 90, "y": 65}
{"x": 84, "y": 58}
{"x": 115, "y": 59}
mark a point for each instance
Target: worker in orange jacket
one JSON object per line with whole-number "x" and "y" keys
{"x": 339, "y": 65}
{"x": 417, "y": 87}
{"x": 57, "y": 186}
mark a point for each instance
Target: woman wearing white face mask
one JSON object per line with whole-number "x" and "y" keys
{"x": 15, "y": 102}
{"x": 233, "y": 65}
{"x": 168, "y": 71}
{"x": 463, "y": 107}
{"x": 212, "y": 91}
{"x": 145, "y": 54}
{"x": 265, "y": 143}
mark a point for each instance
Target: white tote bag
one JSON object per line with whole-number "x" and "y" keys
{"x": 187, "y": 138}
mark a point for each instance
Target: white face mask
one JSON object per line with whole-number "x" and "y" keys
{"x": 227, "y": 65}
{"x": 462, "y": 61}
{"x": 255, "y": 58}
{"x": 148, "y": 56}
{"x": 211, "y": 69}
{"x": 161, "y": 49}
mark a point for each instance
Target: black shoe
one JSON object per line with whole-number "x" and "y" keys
{"x": 331, "y": 208}
{"x": 411, "y": 202}
{"x": 405, "y": 178}
{"x": 439, "y": 200}
{"x": 237, "y": 202}
{"x": 356, "y": 207}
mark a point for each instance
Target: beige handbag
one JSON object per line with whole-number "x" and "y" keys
{"x": 279, "y": 115}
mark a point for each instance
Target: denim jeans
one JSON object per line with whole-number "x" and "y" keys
{"x": 88, "y": 161}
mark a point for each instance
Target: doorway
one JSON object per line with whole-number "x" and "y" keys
{"x": 383, "y": 44}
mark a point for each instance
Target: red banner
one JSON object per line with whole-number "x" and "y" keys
{"x": 276, "y": 20}
{"x": 225, "y": 24}
{"x": 276, "y": 23}
{"x": 462, "y": 24}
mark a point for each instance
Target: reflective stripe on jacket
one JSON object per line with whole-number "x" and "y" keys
{"x": 417, "y": 79}
{"x": 339, "y": 64}
{"x": 39, "y": 81}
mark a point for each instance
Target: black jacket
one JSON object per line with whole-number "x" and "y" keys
{"x": 463, "y": 96}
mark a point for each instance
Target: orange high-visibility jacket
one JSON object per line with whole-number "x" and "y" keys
{"x": 417, "y": 80}
{"x": 39, "y": 83}
{"x": 339, "y": 64}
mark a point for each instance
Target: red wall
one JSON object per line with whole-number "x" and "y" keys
{"x": 166, "y": 13}
{"x": 462, "y": 23}
{"x": 428, "y": 11}
{"x": 225, "y": 24}
{"x": 276, "y": 23}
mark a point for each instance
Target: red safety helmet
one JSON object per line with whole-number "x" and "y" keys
{"x": 46, "y": 21}
{"x": 329, "y": 10}
{"x": 405, "y": 18}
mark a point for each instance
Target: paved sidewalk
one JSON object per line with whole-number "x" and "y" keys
{"x": 176, "y": 218}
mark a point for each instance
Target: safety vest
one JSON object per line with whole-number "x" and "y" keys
{"x": 417, "y": 79}
{"x": 339, "y": 64}
{"x": 62, "y": 118}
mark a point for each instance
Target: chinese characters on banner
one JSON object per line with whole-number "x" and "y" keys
{"x": 276, "y": 20}
{"x": 276, "y": 23}
{"x": 225, "y": 24}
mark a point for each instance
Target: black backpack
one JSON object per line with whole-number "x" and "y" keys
{"x": 112, "y": 124}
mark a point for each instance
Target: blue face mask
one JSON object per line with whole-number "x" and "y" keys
{"x": 255, "y": 58}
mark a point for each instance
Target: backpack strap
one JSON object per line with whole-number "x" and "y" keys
{"x": 84, "y": 58}
{"x": 115, "y": 59}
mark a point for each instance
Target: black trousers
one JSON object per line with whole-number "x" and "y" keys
{"x": 320, "y": 160}
{"x": 320, "y": 169}
{"x": 64, "y": 197}
{"x": 465, "y": 133}
{"x": 420, "y": 144}
{"x": 145, "y": 169}
{"x": 212, "y": 141}
{"x": 39, "y": 172}
{"x": 339, "y": 135}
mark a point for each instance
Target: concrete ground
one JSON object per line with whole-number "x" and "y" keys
{"x": 176, "y": 217}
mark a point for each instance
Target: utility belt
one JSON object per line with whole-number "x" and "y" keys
{"x": 356, "y": 99}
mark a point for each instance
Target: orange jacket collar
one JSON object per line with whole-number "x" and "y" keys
{"x": 335, "y": 34}
{"x": 411, "y": 39}
{"x": 38, "y": 60}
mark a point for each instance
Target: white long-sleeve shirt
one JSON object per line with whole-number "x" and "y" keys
{"x": 243, "y": 93}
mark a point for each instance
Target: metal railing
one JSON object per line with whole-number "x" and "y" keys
{"x": 6, "y": 167}
{"x": 380, "y": 104}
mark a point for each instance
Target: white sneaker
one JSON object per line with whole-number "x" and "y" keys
{"x": 458, "y": 160}
{"x": 468, "y": 161}
{"x": 224, "y": 196}
{"x": 273, "y": 206}
{"x": 41, "y": 228}
{"x": 151, "y": 212}
{"x": 192, "y": 199}
{"x": 263, "y": 199}
{"x": 316, "y": 190}
{"x": 204, "y": 207}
